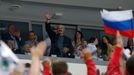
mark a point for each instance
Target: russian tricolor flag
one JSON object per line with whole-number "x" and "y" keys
{"x": 118, "y": 20}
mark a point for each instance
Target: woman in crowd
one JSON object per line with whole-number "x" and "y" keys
{"x": 130, "y": 44}
{"x": 79, "y": 43}
{"x": 106, "y": 47}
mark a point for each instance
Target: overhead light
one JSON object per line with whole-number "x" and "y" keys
{"x": 58, "y": 14}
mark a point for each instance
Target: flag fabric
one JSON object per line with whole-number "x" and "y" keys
{"x": 8, "y": 60}
{"x": 118, "y": 20}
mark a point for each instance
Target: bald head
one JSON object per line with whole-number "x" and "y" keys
{"x": 60, "y": 29}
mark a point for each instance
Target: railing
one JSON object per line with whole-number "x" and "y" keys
{"x": 68, "y": 60}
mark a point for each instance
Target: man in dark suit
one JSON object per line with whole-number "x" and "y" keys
{"x": 61, "y": 45}
{"x": 20, "y": 41}
{"x": 9, "y": 36}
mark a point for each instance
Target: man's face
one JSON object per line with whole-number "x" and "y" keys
{"x": 130, "y": 42}
{"x": 11, "y": 28}
{"x": 60, "y": 29}
{"x": 31, "y": 36}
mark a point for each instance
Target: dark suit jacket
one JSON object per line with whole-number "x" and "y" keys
{"x": 7, "y": 36}
{"x": 54, "y": 47}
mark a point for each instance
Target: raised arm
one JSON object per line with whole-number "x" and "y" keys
{"x": 113, "y": 64}
{"x": 50, "y": 32}
{"x": 91, "y": 68}
{"x": 37, "y": 52}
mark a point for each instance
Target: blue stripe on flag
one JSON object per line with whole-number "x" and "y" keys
{"x": 120, "y": 25}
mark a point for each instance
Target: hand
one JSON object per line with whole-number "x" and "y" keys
{"x": 119, "y": 40}
{"x": 46, "y": 63}
{"x": 17, "y": 34}
{"x": 106, "y": 41}
{"x": 48, "y": 15}
{"x": 39, "y": 50}
{"x": 10, "y": 44}
{"x": 86, "y": 54}
{"x": 66, "y": 49}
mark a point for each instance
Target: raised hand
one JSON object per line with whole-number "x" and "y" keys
{"x": 48, "y": 15}
{"x": 39, "y": 50}
{"x": 119, "y": 39}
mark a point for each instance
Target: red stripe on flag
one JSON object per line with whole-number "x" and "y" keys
{"x": 109, "y": 30}
{"x": 128, "y": 33}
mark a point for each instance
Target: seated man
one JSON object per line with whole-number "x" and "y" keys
{"x": 10, "y": 36}
{"x": 32, "y": 39}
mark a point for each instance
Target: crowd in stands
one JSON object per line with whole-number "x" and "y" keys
{"x": 61, "y": 45}
{"x": 117, "y": 64}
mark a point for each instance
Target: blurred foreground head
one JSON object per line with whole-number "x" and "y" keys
{"x": 59, "y": 68}
{"x": 130, "y": 66}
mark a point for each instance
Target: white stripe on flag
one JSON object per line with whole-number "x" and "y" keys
{"x": 117, "y": 15}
